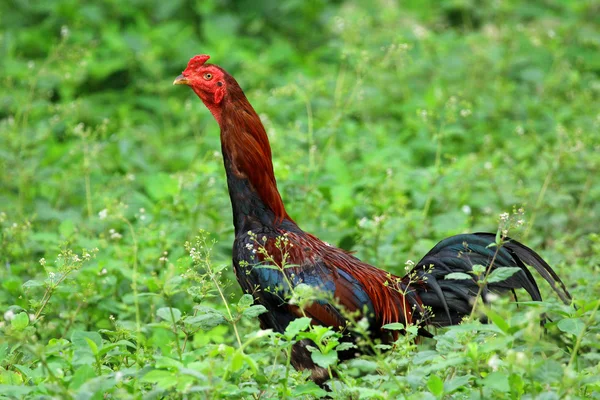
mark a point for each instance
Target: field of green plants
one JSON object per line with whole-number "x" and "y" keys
{"x": 393, "y": 124}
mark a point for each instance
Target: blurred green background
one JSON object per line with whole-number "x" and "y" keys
{"x": 393, "y": 124}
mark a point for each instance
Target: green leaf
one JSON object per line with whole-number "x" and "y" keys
{"x": 394, "y": 326}
{"x": 574, "y": 326}
{"x": 78, "y": 338}
{"x": 170, "y": 314}
{"x": 516, "y": 384}
{"x": 308, "y": 389}
{"x": 435, "y": 384}
{"x": 324, "y": 360}
{"x": 206, "y": 318}
{"x": 502, "y": 274}
{"x": 549, "y": 371}
{"x": 161, "y": 186}
{"x": 237, "y": 361}
{"x": 296, "y": 326}
{"x": 82, "y": 374}
{"x": 456, "y": 383}
{"x": 254, "y": 311}
{"x": 245, "y": 301}
{"x": 458, "y": 276}
{"x": 16, "y": 391}
{"x": 33, "y": 283}
{"x": 20, "y": 321}
{"x": 345, "y": 346}
{"x": 66, "y": 228}
{"x": 92, "y": 345}
{"x": 3, "y": 350}
{"x": 498, "y": 321}
{"x": 478, "y": 269}
{"x": 496, "y": 381}
{"x": 27, "y": 372}
{"x": 162, "y": 379}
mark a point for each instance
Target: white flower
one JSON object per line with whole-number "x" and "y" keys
{"x": 491, "y": 297}
{"x": 9, "y": 315}
{"x": 103, "y": 214}
{"x": 494, "y": 362}
{"x": 520, "y": 131}
{"x": 504, "y": 216}
{"x": 466, "y": 209}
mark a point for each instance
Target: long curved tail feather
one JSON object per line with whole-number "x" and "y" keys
{"x": 452, "y": 299}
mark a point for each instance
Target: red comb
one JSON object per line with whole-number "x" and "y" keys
{"x": 196, "y": 62}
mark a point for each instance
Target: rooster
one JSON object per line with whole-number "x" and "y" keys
{"x": 287, "y": 256}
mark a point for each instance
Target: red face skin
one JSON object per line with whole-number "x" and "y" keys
{"x": 207, "y": 81}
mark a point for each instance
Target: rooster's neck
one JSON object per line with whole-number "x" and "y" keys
{"x": 252, "y": 187}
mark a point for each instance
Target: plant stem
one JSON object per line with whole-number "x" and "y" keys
{"x": 482, "y": 284}
{"x": 581, "y": 334}
{"x": 176, "y": 334}
{"x": 134, "y": 287}
{"x": 233, "y": 322}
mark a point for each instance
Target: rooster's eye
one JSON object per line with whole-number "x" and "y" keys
{"x": 208, "y": 77}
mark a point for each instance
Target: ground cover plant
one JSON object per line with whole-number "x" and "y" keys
{"x": 392, "y": 125}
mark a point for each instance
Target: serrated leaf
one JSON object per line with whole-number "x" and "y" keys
{"x": 394, "y": 326}
{"x": 206, "y": 318}
{"x": 165, "y": 313}
{"x": 82, "y": 374}
{"x": 502, "y": 274}
{"x": 33, "y": 283}
{"x": 478, "y": 269}
{"x": 456, "y": 383}
{"x": 435, "y": 384}
{"x": 20, "y": 321}
{"x": 78, "y": 338}
{"x": 345, "y": 346}
{"x": 496, "y": 381}
{"x": 245, "y": 301}
{"x": 574, "y": 326}
{"x": 324, "y": 360}
{"x": 296, "y": 326}
{"x": 163, "y": 379}
{"x": 308, "y": 389}
{"x": 458, "y": 276}
{"x": 254, "y": 311}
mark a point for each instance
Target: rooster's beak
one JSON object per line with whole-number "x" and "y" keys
{"x": 180, "y": 80}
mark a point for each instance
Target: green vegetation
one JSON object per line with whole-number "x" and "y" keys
{"x": 392, "y": 127}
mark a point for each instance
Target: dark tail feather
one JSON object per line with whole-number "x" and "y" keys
{"x": 451, "y": 300}
{"x": 523, "y": 254}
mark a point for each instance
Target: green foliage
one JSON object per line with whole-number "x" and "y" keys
{"x": 393, "y": 125}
